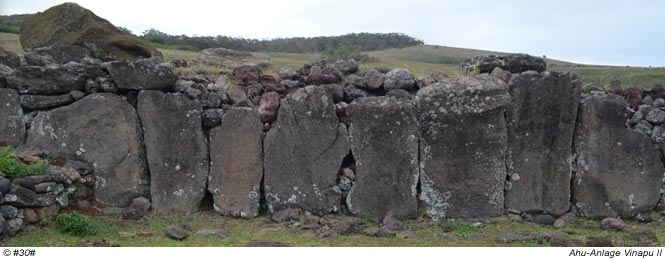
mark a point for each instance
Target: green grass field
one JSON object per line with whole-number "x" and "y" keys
{"x": 422, "y": 60}
{"x": 422, "y": 233}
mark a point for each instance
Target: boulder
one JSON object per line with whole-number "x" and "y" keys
{"x": 384, "y": 141}
{"x": 143, "y": 74}
{"x": 514, "y": 63}
{"x": 21, "y": 197}
{"x": 246, "y": 75}
{"x": 103, "y": 130}
{"x": 462, "y": 147}
{"x": 236, "y": 159}
{"x": 33, "y": 102}
{"x": 53, "y": 79}
{"x": 303, "y": 152}
{"x": 12, "y": 129}
{"x": 374, "y": 79}
{"x": 177, "y": 178}
{"x": 233, "y": 58}
{"x": 399, "y": 79}
{"x": 70, "y": 23}
{"x": 347, "y": 67}
{"x": 10, "y": 59}
{"x": 541, "y": 122}
{"x": 63, "y": 53}
{"x": 619, "y": 172}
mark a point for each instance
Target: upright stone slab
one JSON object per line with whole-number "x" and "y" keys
{"x": 303, "y": 152}
{"x": 384, "y": 140}
{"x": 176, "y": 148}
{"x": 541, "y": 122}
{"x": 462, "y": 147}
{"x": 12, "y": 129}
{"x": 103, "y": 130}
{"x": 619, "y": 171}
{"x": 236, "y": 166}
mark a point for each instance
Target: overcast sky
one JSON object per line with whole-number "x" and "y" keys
{"x": 628, "y": 32}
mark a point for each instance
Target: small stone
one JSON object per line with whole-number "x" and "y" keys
{"x": 391, "y": 222}
{"x": 542, "y": 219}
{"x": 559, "y": 223}
{"x": 77, "y": 94}
{"x": 13, "y": 226}
{"x": 659, "y": 102}
{"x": 612, "y": 224}
{"x": 83, "y": 168}
{"x": 656, "y": 116}
{"x": 212, "y": 232}
{"x": 177, "y": 231}
{"x": 378, "y": 232}
{"x": 9, "y": 212}
{"x": 599, "y": 242}
{"x": 45, "y": 187}
{"x": 30, "y": 216}
{"x": 648, "y": 100}
{"x": 637, "y": 117}
{"x": 5, "y": 185}
{"x": 288, "y": 214}
{"x": 565, "y": 242}
{"x": 141, "y": 203}
{"x": 310, "y": 221}
{"x": 212, "y": 117}
{"x": 126, "y": 234}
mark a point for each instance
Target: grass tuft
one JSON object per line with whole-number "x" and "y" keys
{"x": 75, "y": 224}
{"x": 13, "y": 168}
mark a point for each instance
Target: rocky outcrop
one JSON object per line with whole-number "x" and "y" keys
{"x": 70, "y": 23}
{"x": 541, "y": 122}
{"x": 236, "y": 163}
{"x": 233, "y": 58}
{"x": 514, "y": 63}
{"x": 619, "y": 172}
{"x": 462, "y": 147}
{"x": 384, "y": 140}
{"x": 12, "y": 129}
{"x": 176, "y": 149}
{"x": 103, "y": 130}
{"x": 303, "y": 152}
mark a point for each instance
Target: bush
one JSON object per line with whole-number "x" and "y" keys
{"x": 13, "y": 168}
{"x": 75, "y": 224}
{"x": 10, "y": 29}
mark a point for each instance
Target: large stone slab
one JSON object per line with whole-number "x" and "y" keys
{"x": 384, "y": 139}
{"x": 176, "y": 149}
{"x": 462, "y": 147}
{"x": 619, "y": 171}
{"x": 144, "y": 74}
{"x": 236, "y": 163}
{"x": 12, "y": 129}
{"x": 53, "y": 79}
{"x": 303, "y": 152}
{"x": 103, "y": 130}
{"x": 541, "y": 123}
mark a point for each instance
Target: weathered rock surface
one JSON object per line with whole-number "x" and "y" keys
{"x": 53, "y": 79}
{"x": 70, "y": 23}
{"x": 619, "y": 171}
{"x": 33, "y": 102}
{"x": 62, "y": 53}
{"x": 10, "y": 59}
{"x": 399, "y": 79}
{"x": 236, "y": 158}
{"x": 515, "y": 63}
{"x": 101, "y": 129}
{"x": 541, "y": 122}
{"x": 384, "y": 140}
{"x": 462, "y": 147}
{"x": 12, "y": 129}
{"x": 233, "y": 58}
{"x": 176, "y": 149}
{"x": 142, "y": 74}
{"x": 303, "y": 152}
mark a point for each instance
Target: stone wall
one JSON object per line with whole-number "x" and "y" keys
{"x": 331, "y": 138}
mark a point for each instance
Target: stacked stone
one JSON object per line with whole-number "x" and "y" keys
{"x": 32, "y": 199}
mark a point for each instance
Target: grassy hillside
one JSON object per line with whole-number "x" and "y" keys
{"x": 424, "y": 59}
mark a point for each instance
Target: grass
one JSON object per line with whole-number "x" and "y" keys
{"x": 13, "y": 168}
{"x": 10, "y": 29}
{"x": 425, "y": 233}
{"x": 76, "y": 224}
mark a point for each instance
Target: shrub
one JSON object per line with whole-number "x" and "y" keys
{"x": 12, "y": 168}
{"x": 75, "y": 224}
